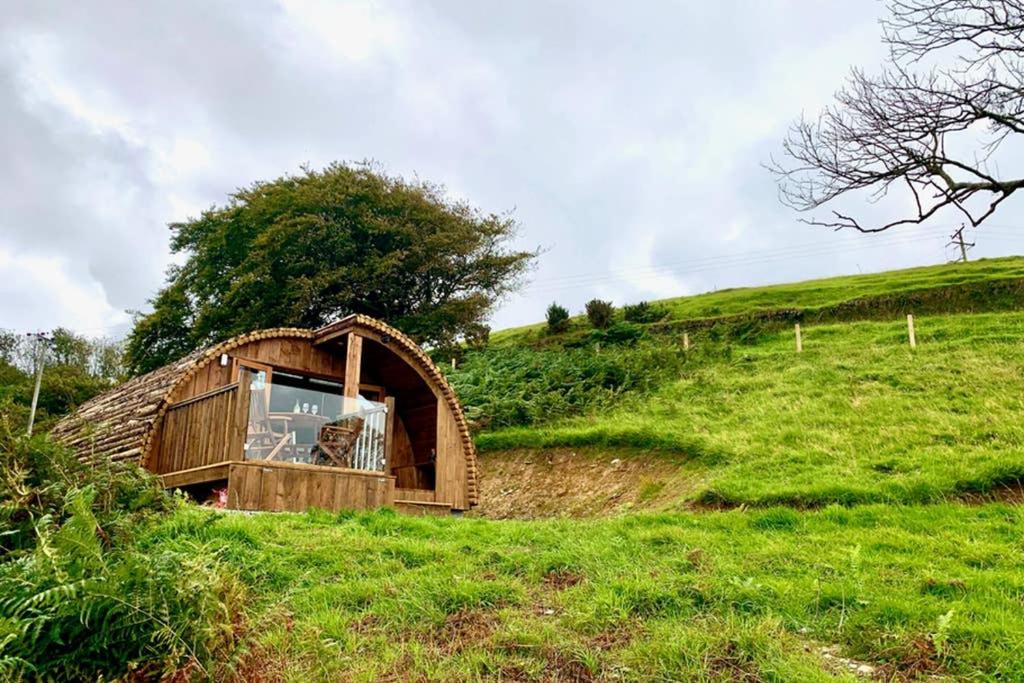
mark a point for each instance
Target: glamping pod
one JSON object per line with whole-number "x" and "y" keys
{"x": 353, "y": 415}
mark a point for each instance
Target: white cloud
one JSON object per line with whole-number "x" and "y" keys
{"x": 627, "y": 139}
{"x": 40, "y": 293}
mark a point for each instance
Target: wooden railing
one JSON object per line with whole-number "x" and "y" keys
{"x": 204, "y": 430}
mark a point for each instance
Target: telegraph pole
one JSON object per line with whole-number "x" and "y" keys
{"x": 957, "y": 239}
{"x": 39, "y": 353}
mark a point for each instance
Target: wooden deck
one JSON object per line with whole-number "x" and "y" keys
{"x": 282, "y": 486}
{"x": 292, "y": 487}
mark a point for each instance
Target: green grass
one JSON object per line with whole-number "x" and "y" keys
{"x": 857, "y": 417}
{"x": 672, "y": 597}
{"x": 820, "y": 504}
{"x": 979, "y": 284}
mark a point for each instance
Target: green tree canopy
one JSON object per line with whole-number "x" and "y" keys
{"x": 76, "y": 369}
{"x": 307, "y": 249}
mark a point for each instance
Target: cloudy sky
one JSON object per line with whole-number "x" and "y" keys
{"x": 627, "y": 138}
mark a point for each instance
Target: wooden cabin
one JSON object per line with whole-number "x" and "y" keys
{"x": 352, "y": 415}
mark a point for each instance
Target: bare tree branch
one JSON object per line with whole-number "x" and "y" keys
{"x": 895, "y": 126}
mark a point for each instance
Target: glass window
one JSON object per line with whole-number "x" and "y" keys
{"x": 295, "y": 418}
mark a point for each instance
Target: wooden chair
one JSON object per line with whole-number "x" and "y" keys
{"x": 264, "y": 441}
{"x": 337, "y": 440}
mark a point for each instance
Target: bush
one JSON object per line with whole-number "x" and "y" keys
{"x": 558, "y": 319}
{"x": 618, "y": 334}
{"x": 505, "y": 387}
{"x": 644, "y": 313}
{"x": 82, "y": 598}
{"x": 600, "y": 313}
{"x": 477, "y": 336}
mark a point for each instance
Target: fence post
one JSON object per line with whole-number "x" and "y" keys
{"x": 686, "y": 341}
{"x": 910, "y": 331}
{"x": 453, "y": 362}
{"x": 799, "y": 339}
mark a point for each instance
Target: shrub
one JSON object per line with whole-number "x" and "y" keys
{"x": 477, "y": 335}
{"x": 619, "y": 334}
{"x": 82, "y": 598}
{"x": 644, "y": 313}
{"x": 505, "y": 387}
{"x": 600, "y": 313}
{"x": 558, "y": 318}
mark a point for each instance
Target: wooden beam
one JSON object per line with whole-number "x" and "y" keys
{"x": 196, "y": 475}
{"x": 240, "y": 418}
{"x": 283, "y": 465}
{"x": 201, "y": 397}
{"x": 353, "y": 362}
{"x": 389, "y": 430}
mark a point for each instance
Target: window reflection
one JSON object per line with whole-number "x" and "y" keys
{"x": 301, "y": 419}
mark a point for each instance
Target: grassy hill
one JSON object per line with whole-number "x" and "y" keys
{"x": 734, "y": 511}
{"x": 755, "y": 595}
{"x": 984, "y": 285}
{"x": 846, "y": 511}
{"x": 857, "y": 417}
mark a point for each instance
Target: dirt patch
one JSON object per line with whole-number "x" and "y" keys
{"x": 260, "y": 665}
{"x": 564, "y": 668}
{"x": 915, "y": 661}
{"x": 560, "y": 579}
{"x": 617, "y": 637}
{"x": 561, "y": 482}
{"x": 1012, "y": 493}
{"x": 463, "y": 629}
{"x": 729, "y": 664}
{"x": 836, "y": 663}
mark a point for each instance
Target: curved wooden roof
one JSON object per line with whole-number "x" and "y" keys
{"x": 119, "y": 424}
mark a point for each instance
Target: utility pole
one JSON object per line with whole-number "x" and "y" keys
{"x": 39, "y": 354}
{"x": 957, "y": 238}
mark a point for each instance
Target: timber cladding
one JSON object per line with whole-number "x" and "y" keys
{"x": 281, "y": 487}
{"x": 192, "y": 416}
{"x": 120, "y": 424}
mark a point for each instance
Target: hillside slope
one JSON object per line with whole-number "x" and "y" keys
{"x": 857, "y": 417}
{"x": 983, "y": 285}
{"x": 892, "y": 593}
{"x": 734, "y": 511}
{"x": 740, "y": 418}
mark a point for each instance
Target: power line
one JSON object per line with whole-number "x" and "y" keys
{"x": 733, "y": 260}
{"x": 722, "y": 259}
{"x": 748, "y": 259}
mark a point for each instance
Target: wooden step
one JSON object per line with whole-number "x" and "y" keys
{"x": 423, "y": 507}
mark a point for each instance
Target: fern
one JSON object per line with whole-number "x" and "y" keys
{"x": 80, "y": 597}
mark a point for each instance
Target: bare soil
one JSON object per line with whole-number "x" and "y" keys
{"x": 563, "y": 482}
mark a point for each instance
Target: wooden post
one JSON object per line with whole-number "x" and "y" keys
{"x": 39, "y": 353}
{"x": 240, "y": 420}
{"x": 389, "y": 432}
{"x": 453, "y": 362}
{"x": 686, "y": 341}
{"x": 910, "y": 331}
{"x": 799, "y": 339}
{"x": 353, "y": 361}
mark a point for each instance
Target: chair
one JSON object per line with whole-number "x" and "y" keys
{"x": 264, "y": 441}
{"x": 337, "y": 440}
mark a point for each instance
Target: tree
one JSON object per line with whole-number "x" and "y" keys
{"x": 77, "y": 368}
{"x": 308, "y": 249}
{"x": 68, "y": 348}
{"x": 599, "y": 313}
{"x": 558, "y": 318}
{"x": 931, "y": 133}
